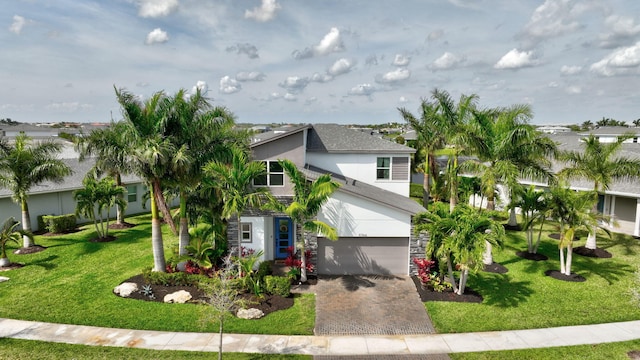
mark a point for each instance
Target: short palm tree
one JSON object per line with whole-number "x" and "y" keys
{"x": 599, "y": 163}
{"x": 95, "y": 197}
{"x": 234, "y": 181}
{"x": 308, "y": 198}
{"x": 532, "y": 204}
{"x": 25, "y": 164}
{"x": 9, "y": 233}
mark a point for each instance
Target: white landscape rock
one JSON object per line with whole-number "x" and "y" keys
{"x": 3, "y": 278}
{"x": 125, "y": 289}
{"x": 178, "y": 297}
{"x": 250, "y": 314}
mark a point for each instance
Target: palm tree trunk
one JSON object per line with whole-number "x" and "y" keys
{"x": 487, "y": 257}
{"x": 463, "y": 281}
{"x": 161, "y": 204}
{"x": 569, "y": 258}
{"x": 453, "y": 180}
{"x": 591, "y": 239}
{"x": 303, "y": 258}
{"x": 184, "y": 225}
{"x": 119, "y": 208}
{"x": 562, "y": 264}
{"x": 157, "y": 245}
{"x": 426, "y": 186}
{"x": 452, "y": 279}
{"x": 26, "y": 224}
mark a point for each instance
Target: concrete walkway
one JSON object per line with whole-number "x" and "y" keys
{"x": 323, "y": 345}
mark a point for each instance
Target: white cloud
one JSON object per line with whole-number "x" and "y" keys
{"x": 446, "y": 61}
{"x": 621, "y": 29}
{"x": 157, "y": 36}
{"x": 341, "y": 66}
{"x": 553, "y": 84}
{"x": 401, "y": 60}
{"x": 321, "y": 78}
{"x": 295, "y": 84}
{"x": 290, "y": 97}
{"x": 17, "y": 24}
{"x": 621, "y": 61}
{"x": 266, "y": 12}
{"x": 332, "y": 42}
{"x": 570, "y": 70}
{"x": 362, "y": 89}
{"x": 515, "y": 59}
{"x": 394, "y": 76}
{"x": 403, "y": 100}
{"x": 229, "y": 85}
{"x": 202, "y": 86}
{"x": 248, "y": 49}
{"x": 553, "y": 18}
{"x": 156, "y": 8}
{"x": 250, "y": 76}
{"x": 573, "y": 90}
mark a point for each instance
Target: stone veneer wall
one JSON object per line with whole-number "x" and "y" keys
{"x": 417, "y": 248}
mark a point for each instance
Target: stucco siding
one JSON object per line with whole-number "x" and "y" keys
{"x": 290, "y": 147}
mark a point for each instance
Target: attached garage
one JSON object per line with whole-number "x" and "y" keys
{"x": 363, "y": 256}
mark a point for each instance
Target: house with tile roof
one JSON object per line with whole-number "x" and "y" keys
{"x": 371, "y": 210}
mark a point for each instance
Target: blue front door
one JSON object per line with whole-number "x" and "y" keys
{"x": 283, "y": 234}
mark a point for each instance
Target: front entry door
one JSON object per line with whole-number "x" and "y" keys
{"x": 283, "y": 231}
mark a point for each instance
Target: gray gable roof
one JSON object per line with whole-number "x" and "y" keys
{"x": 262, "y": 138}
{"x": 339, "y": 139}
{"x": 366, "y": 191}
{"x": 613, "y": 130}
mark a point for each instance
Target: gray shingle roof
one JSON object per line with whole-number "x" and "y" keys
{"x": 613, "y": 130}
{"x": 340, "y": 139}
{"x": 366, "y": 191}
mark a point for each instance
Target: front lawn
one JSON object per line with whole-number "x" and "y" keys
{"x": 72, "y": 282}
{"x": 525, "y": 298}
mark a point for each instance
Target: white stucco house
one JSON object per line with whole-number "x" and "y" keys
{"x": 371, "y": 210}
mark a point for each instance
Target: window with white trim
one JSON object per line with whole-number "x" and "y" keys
{"x": 245, "y": 231}
{"x": 273, "y": 177}
{"x": 383, "y": 168}
{"x": 132, "y": 193}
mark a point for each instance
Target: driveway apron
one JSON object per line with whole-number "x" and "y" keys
{"x": 369, "y": 305}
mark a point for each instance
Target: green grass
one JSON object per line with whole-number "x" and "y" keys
{"x": 12, "y": 349}
{"x": 525, "y": 298}
{"x": 72, "y": 282}
{"x": 609, "y": 351}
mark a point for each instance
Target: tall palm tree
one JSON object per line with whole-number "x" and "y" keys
{"x": 455, "y": 120}
{"x": 598, "y": 162}
{"x": 430, "y": 137}
{"x": 308, "y": 198}
{"x": 152, "y": 155}
{"x": 234, "y": 181}
{"x": 207, "y": 132}
{"x": 10, "y": 233}
{"x": 109, "y": 147}
{"x": 25, "y": 164}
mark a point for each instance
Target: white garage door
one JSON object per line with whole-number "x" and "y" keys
{"x": 363, "y": 256}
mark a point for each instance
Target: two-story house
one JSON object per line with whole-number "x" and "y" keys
{"x": 371, "y": 210}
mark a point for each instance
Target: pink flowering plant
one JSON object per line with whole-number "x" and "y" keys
{"x": 428, "y": 277}
{"x": 295, "y": 263}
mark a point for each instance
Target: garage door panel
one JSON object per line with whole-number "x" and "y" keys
{"x": 363, "y": 256}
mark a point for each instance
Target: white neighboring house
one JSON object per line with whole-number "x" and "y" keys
{"x": 371, "y": 210}
{"x": 51, "y": 198}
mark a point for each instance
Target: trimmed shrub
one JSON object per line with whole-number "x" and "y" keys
{"x": 277, "y": 285}
{"x": 59, "y": 223}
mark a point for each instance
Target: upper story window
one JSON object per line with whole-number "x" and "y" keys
{"x": 392, "y": 168}
{"x": 273, "y": 177}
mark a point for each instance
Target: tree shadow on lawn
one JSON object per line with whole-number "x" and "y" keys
{"x": 607, "y": 269}
{"x": 630, "y": 245}
{"x": 46, "y": 263}
{"x": 502, "y": 291}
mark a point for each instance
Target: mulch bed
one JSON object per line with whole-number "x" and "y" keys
{"x": 531, "y": 256}
{"x": 268, "y": 303}
{"x": 560, "y": 276}
{"x": 30, "y": 250}
{"x": 495, "y": 268}
{"x": 512, "y": 227}
{"x": 594, "y": 253}
{"x": 108, "y": 238}
{"x": 469, "y": 296}
{"x": 634, "y": 354}
{"x": 124, "y": 225}
{"x": 11, "y": 266}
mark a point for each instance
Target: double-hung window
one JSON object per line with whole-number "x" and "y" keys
{"x": 273, "y": 177}
{"x": 245, "y": 230}
{"x": 132, "y": 193}
{"x": 383, "y": 168}
{"x": 392, "y": 168}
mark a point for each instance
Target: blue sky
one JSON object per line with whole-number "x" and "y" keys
{"x": 342, "y": 61}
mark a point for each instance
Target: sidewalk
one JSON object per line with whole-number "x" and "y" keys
{"x": 323, "y": 345}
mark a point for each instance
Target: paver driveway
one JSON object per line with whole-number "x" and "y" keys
{"x": 359, "y": 305}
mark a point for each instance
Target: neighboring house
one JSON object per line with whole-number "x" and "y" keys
{"x": 57, "y": 199}
{"x": 371, "y": 210}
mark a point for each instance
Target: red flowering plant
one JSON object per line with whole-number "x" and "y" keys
{"x": 428, "y": 277}
{"x": 295, "y": 263}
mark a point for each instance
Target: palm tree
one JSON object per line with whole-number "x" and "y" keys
{"x": 109, "y": 146}
{"x": 25, "y": 164}
{"x": 308, "y": 198}
{"x": 152, "y": 156}
{"x": 430, "y": 137}
{"x": 459, "y": 237}
{"x": 98, "y": 196}
{"x": 572, "y": 209}
{"x": 532, "y": 204}
{"x": 207, "y": 132}
{"x": 455, "y": 121}
{"x": 234, "y": 181}
{"x": 10, "y": 233}
{"x": 599, "y": 163}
